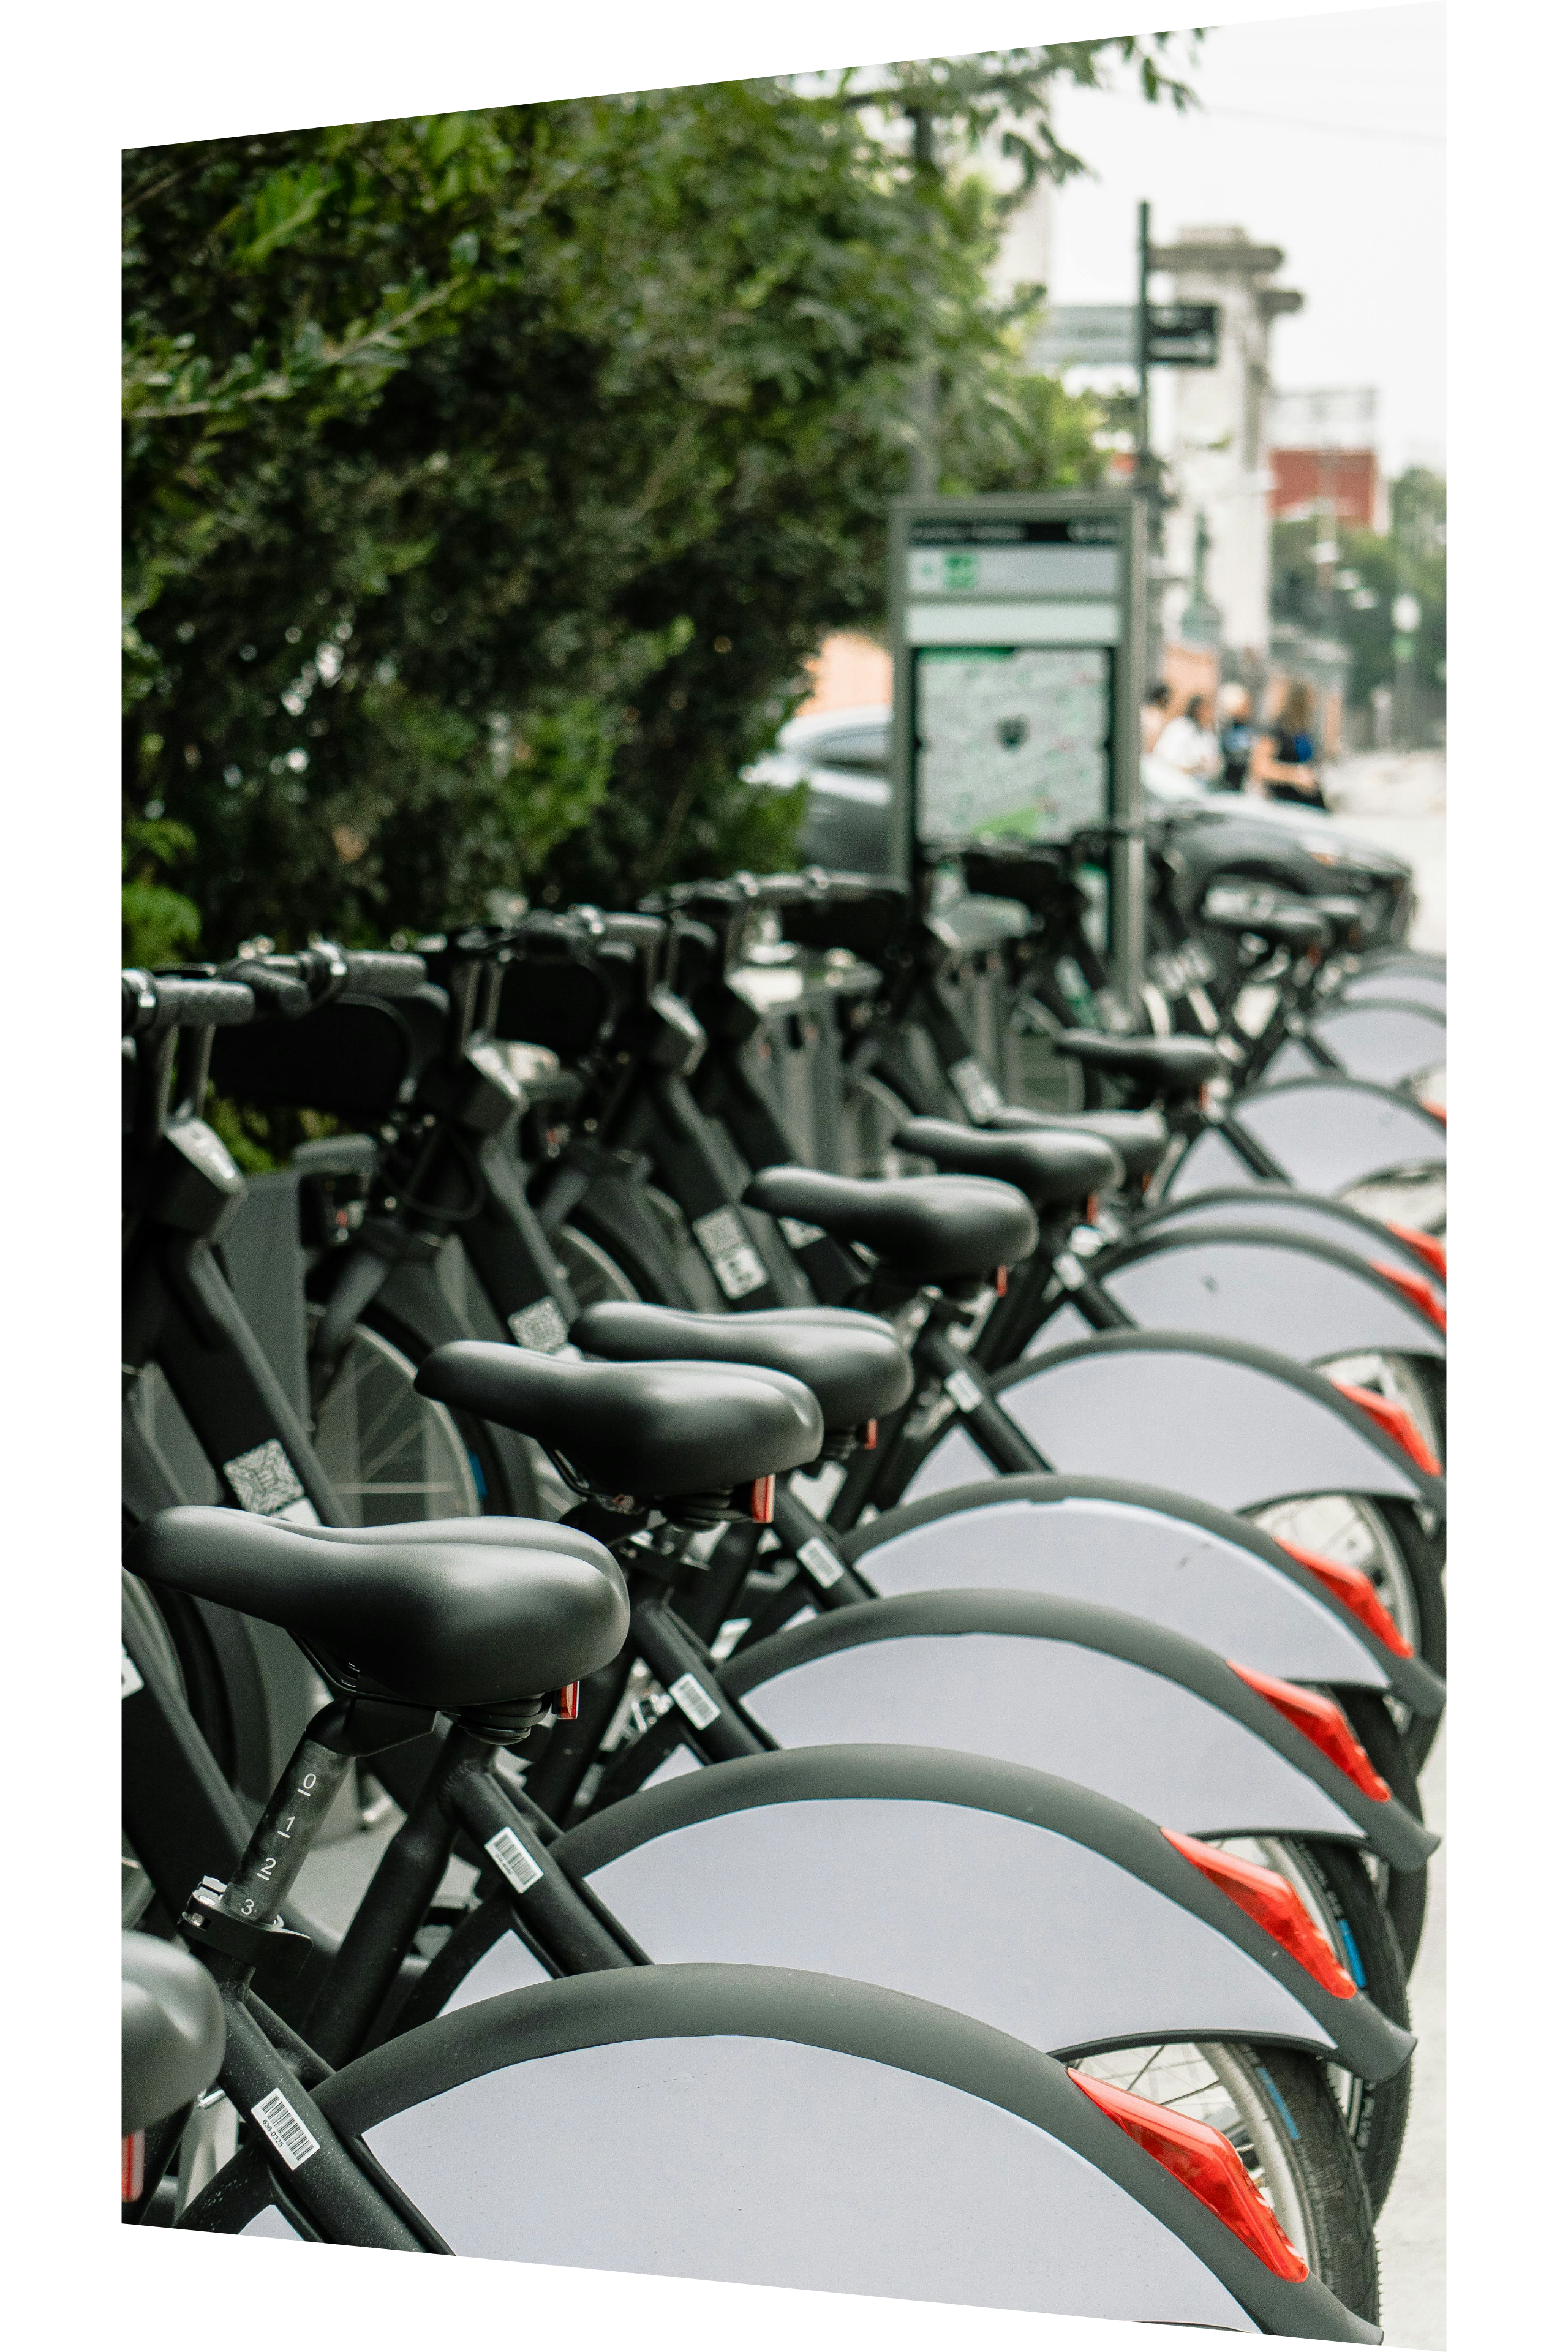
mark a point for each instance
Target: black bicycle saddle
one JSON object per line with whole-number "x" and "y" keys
{"x": 852, "y": 1364}
{"x": 1172, "y": 1069}
{"x": 1296, "y": 928}
{"x": 171, "y": 2030}
{"x": 447, "y": 1613}
{"x": 652, "y": 1431}
{"x": 923, "y": 1228}
{"x": 1345, "y": 917}
{"x": 1138, "y": 1137}
{"x": 1053, "y": 1170}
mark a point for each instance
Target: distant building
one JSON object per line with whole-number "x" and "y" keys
{"x": 1342, "y": 486}
{"x": 1323, "y": 453}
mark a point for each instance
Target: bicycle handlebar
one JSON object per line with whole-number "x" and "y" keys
{"x": 290, "y": 984}
{"x": 149, "y": 1001}
{"x": 379, "y": 972}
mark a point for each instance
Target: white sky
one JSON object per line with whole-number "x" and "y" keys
{"x": 1361, "y": 217}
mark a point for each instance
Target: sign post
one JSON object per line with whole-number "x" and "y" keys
{"x": 1017, "y": 628}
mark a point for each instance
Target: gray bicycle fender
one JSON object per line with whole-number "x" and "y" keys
{"x": 1303, "y": 1296}
{"x": 1130, "y": 1709}
{"x": 1161, "y": 1557}
{"x": 1011, "y": 1896}
{"x": 1388, "y": 1043}
{"x": 1397, "y": 984}
{"x": 1228, "y": 1422}
{"x": 1326, "y": 1133}
{"x": 1268, "y": 1208}
{"x": 785, "y": 2129}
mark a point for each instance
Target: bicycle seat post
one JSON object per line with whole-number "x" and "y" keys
{"x": 238, "y": 1928}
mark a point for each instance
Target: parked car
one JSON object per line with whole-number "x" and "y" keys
{"x": 1228, "y": 843}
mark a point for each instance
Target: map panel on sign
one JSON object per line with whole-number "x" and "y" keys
{"x": 1012, "y": 740}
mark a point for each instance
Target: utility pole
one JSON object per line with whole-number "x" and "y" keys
{"x": 1146, "y": 480}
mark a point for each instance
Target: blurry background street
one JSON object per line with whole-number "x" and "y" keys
{"x": 1399, "y": 800}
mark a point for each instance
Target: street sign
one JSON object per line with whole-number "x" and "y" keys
{"x": 1018, "y": 629}
{"x": 1088, "y": 334}
{"x": 1105, "y": 334}
{"x": 1183, "y": 334}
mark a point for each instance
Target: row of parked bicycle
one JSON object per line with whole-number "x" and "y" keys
{"x": 921, "y": 1672}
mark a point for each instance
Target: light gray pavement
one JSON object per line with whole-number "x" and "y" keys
{"x": 1399, "y": 800}
{"x": 1412, "y": 2233}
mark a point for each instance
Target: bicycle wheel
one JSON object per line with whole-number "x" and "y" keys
{"x": 593, "y": 1273}
{"x": 871, "y": 1117}
{"x": 1386, "y": 1540}
{"x": 137, "y": 1604}
{"x": 1280, "y": 2113}
{"x": 392, "y": 1455}
{"x": 1415, "y": 1382}
{"x": 1419, "y": 1199}
{"x": 1340, "y": 1895}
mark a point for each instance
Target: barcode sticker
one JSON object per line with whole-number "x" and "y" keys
{"x": 822, "y": 1561}
{"x": 964, "y": 1392}
{"x": 723, "y": 1240}
{"x": 976, "y": 1089}
{"x": 694, "y": 1703}
{"x": 283, "y": 2127}
{"x": 131, "y": 1680}
{"x": 513, "y": 1860}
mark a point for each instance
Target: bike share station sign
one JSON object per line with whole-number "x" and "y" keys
{"x": 1017, "y": 633}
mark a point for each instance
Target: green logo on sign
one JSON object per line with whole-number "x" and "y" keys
{"x": 961, "y": 571}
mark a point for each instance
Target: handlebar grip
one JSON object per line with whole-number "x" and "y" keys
{"x": 277, "y": 993}
{"x": 376, "y": 971}
{"x": 182, "y": 1004}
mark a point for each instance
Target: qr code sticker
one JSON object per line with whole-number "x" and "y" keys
{"x": 264, "y": 1480}
{"x": 721, "y": 1238}
{"x": 542, "y": 1327}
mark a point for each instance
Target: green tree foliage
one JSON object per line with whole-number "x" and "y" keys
{"x": 488, "y": 478}
{"x": 1355, "y": 606}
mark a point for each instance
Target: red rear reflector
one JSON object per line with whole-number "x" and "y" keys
{"x": 1394, "y": 1422}
{"x": 1274, "y": 1903}
{"x": 1001, "y": 1282}
{"x": 869, "y": 1440}
{"x": 1356, "y": 1589}
{"x": 569, "y": 1702}
{"x": 1091, "y": 1209}
{"x": 1438, "y": 1110}
{"x": 1436, "y": 1255}
{"x": 763, "y": 1500}
{"x": 1203, "y": 2160}
{"x": 1417, "y": 1289}
{"x": 132, "y": 2153}
{"x": 1320, "y": 1721}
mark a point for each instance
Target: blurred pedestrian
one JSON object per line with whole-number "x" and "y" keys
{"x": 1189, "y": 743}
{"x": 1284, "y": 756}
{"x": 1233, "y": 713}
{"x": 1156, "y": 711}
